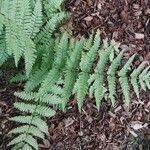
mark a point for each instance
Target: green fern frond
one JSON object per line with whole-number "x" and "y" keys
{"x": 111, "y": 76}
{"x": 19, "y": 78}
{"x": 28, "y": 96}
{"x": 125, "y": 68}
{"x": 49, "y": 28}
{"x": 90, "y": 56}
{"x": 3, "y": 52}
{"x": 98, "y": 89}
{"x": 12, "y": 41}
{"x": 29, "y": 54}
{"x": 125, "y": 89}
{"x": 58, "y": 65}
{"x": 53, "y": 6}
{"x": 142, "y": 76}
{"x": 36, "y": 121}
{"x": 71, "y": 72}
{"x": 89, "y": 42}
{"x": 124, "y": 80}
{"x": 31, "y": 141}
{"x": 134, "y": 77}
{"x": 32, "y": 108}
{"x": 82, "y": 87}
{"x": 35, "y": 79}
{"x": 18, "y": 139}
{"x": 28, "y": 129}
{"x": 86, "y": 63}
{"x": 36, "y": 20}
{"x": 99, "y": 77}
{"x": 26, "y": 147}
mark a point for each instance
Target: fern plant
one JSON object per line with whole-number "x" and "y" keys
{"x": 72, "y": 71}
{"x": 24, "y": 27}
{"x": 58, "y": 67}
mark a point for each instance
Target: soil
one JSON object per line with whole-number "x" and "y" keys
{"x": 112, "y": 128}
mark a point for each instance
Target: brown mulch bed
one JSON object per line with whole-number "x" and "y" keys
{"x": 126, "y": 21}
{"x": 113, "y": 128}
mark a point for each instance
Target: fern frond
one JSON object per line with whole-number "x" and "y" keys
{"x": 86, "y": 63}
{"x": 58, "y": 65}
{"x": 82, "y": 87}
{"x": 28, "y": 96}
{"x": 29, "y": 54}
{"x": 12, "y": 41}
{"x": 124, "y": 80}
{"x": 111, "y": 76}
{"x": 28, "y": 129}
{"x": 98, "y": 89}
{"x": 19, "y": 78}
{"x": 26, "y": 147}
{"x": 99, "y": 77}
{"x": 53, "y": 6}
{"x": 125, "y": 68}
{"x": 38, "y": 109}
{"x": 125, "y": 89}
{"x": 35, "y": 79}
{"x": 3, "y": 52}
{"x": 31, "y": 141}
{"x": 38, "y": 122}
{"x": 36, "y": 19}
{"x": 49, "y": 28}
{"x": 134, "y": 77}
{"x": 142, "y": 76}
{"x": 71, "y": 72}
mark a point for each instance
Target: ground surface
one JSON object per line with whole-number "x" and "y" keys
{"x": 113, "y": 128}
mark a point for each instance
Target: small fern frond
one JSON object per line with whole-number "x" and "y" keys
{"x": 53, "y": 6}
{"x": 28, "y": 96}
{"x": 29, "y": 54}
{"x": 32, "y": 108}
{"x": 71, "y": 72}
{"x": 111, "y": 76}
{"x": 144, "y": 76}
{"x": 99, "y": 77}
{"x": 125, "y": 68}
{"x": 18, "y": 139}
{"x": 46, "y": 32}
{"x": 36, "y": 121}
{"x": 125, "y": 88}
{"x": 81, "y": 88}
{"x": 31, "y": 141}
{"x": 59, "y": 63}
{"x": 86, "y": 63}
{"x": 36, "y": 19}
{"x": 28, "y": 129}
{"x": 98, "y": 89}
{"x": 88, "y": 60}
{"x": 26, "y": 147}
{"x": 20, "y": 77}
{"x": 134, "y": 77}
{"x": 35, "y": 79}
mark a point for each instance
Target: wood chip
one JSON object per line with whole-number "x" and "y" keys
{"x": 139, "y": 36}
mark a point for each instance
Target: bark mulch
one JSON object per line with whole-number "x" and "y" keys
{"x": 112, "y": 128}
{"x": 126, "y": 21}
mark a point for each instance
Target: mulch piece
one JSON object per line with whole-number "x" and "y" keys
{"x": 126, "y": 21}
